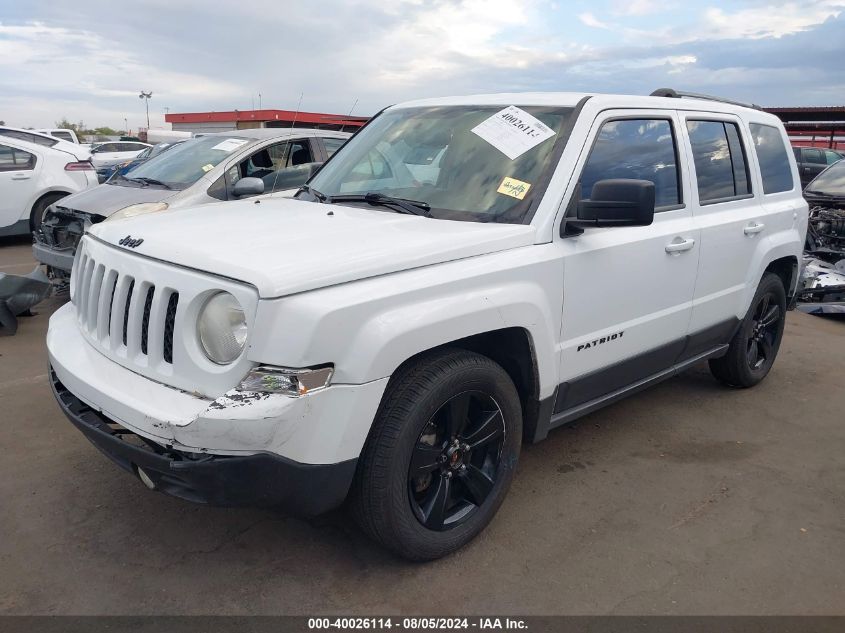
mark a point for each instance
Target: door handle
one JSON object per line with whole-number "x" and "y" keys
{"x": 754, "y": 228}
{"x": 20, "y": 177}
{"x": 679, "y": 245}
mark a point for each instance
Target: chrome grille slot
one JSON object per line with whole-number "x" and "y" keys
{"x": 145, "y": 320}
{"x": 87, "y": 267}
{"x": 94, "y": 297}
{"x": 106, "y": 288}
{"x": 169, "y": 324}
{"x": 106, "y": 332}
{"x": 126, "y": 305}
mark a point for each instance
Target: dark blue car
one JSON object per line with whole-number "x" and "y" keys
{"x": 105, "y": 173}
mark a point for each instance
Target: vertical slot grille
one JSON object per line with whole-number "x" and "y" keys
{"x": 111, "y": 301}
{"x": 140, "y": 314}
{"x": 126, "y": 310}
{"x": 145, "y": 320}
{"x": 93, "y": 301}
{"x": 169, "y": 324}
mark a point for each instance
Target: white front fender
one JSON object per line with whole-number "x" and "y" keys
{"x": 369, "y": 328}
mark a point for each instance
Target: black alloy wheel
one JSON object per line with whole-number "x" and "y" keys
{"x": 441, "y": 454}
{"x": 455, "y": 462}
{"x": 764, "y": 332}
{"x": 755, "y": 345}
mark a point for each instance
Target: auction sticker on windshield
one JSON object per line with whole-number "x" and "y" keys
{"x": 513, "y": 188}
{"x": 513, "y": 131}
{"x": 229, "y": 144}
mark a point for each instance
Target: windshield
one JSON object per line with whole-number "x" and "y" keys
{"x": 474, "y": 163}
{"x": 183, "y": 164}
{"x": 831, "y": 181}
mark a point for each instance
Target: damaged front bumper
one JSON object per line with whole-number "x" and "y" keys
{"x": 822, "y": 287}
{"x": 225, "y": 480}
{"x": 238, "y": 449}
{"x": 56, "y": 239}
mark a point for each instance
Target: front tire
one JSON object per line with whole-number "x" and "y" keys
{"x": 754, "y": 347}
{"x": 441, "y": 455}
{"x": 36, "y": 216}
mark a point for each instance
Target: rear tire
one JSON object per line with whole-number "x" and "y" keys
{"x": 441, "y": 455}
{"x": 36, "y": 216}
{"x": 754, "y": 347}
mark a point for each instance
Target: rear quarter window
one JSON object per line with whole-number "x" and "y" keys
{"x": 772, "y": 156}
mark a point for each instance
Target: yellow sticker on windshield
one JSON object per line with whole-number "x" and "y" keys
{"x": 513, "y": 188}
{"x": 207, "y": 168}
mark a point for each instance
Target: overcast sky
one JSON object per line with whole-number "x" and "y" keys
{"x": 88, "y": 59}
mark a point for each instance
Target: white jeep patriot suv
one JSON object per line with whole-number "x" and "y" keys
{"x": 464, "y": 275}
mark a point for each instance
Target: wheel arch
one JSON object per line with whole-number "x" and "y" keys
{"x": 787, "y": 269}
{"x": 779, "y": 254}
{"x": 513, "y": 349}
{"x": 58, "y": 194}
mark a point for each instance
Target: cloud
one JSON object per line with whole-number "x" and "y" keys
{"x": 591, "y": 20}
{"x": 87, "y": 71}
{"x": 87, "y": 61}
{"x": 637, "y": 7}
{"x": 768, "y": 21}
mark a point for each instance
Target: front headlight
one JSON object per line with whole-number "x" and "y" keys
{"x": 287, "y": 381}
{"x": 222, "y": 329}
{"x": 137, "y": 209}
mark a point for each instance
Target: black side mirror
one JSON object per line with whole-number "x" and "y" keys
{"x": 248, "y": 187}
{"x": 616, "y": 202}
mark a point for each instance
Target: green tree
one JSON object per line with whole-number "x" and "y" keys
{"x": 64, "y": 124}
{"x": 106, "y": 131}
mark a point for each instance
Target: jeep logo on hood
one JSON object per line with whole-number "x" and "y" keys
{"x": 131, "y": 242}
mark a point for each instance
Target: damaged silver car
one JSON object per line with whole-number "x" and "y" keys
{"x": 210, "y": 168}
{"x": 823, "y": 273}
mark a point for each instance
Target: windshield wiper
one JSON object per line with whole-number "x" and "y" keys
{"x": 317, "y": 194}
{"x": 402, "y": 205}
{"x": 149, "y": 181}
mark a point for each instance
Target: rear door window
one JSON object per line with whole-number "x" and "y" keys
{"x": 832, "y": 157}
{"x": 772, "y": 157}
{"x": 640, "y": 149}
{"x": 721, "y": 170}
{"x": 332, "y": 145}
{"x": 14, "y": 159}
{"x": 814, "y": 156}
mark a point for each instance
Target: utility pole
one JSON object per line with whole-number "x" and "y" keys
{"x": 146, "y": 96}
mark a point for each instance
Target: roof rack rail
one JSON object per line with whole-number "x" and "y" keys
{"x": 676, "y": 94}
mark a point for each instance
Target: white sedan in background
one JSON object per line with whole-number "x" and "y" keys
{"x": 32, "y": 177}
{"x": 111, "y": 153}
{"x": 65, "y": 135}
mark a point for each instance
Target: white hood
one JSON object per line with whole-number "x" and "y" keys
{"x": 284, "y": 246}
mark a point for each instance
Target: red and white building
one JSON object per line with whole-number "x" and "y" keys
{"x": 248, "y": 119}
